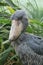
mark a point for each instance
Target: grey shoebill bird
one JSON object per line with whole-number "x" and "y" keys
{"x": 18, "y": 26}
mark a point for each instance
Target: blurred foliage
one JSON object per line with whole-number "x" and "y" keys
{"x": 35, "y": 27}
{"x": 8, "y": 55}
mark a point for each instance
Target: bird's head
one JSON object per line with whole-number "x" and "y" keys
{"x": 18, "y": 25}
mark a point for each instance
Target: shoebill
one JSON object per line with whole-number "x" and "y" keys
{"x": 18, "y": 26}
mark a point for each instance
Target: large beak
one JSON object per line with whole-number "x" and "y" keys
{"x": 15, "y": 30}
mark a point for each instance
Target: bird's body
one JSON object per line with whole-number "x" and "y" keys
{"x": 32, "y": 41}
{"x": 29, "y": 48}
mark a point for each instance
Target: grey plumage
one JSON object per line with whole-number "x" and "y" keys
{"x": 21, "y": 15}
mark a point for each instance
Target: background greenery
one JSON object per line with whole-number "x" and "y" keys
{"x": 8, "y": 55}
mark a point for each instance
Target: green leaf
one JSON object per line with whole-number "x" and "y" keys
{"x": 4, "y": 55}
{"x": 10, "y": 3}
{"x": 3, "y": 4}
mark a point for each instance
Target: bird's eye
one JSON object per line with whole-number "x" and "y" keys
{"x": 19, "y": 18}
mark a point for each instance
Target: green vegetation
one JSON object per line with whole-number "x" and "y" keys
{"x": 8, "y": 55}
